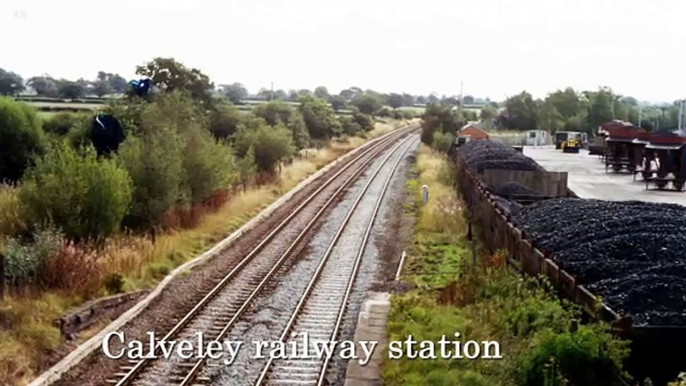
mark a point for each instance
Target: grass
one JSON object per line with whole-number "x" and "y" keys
{"x": 135, "y": 262}
{"x": 537, "y": 333}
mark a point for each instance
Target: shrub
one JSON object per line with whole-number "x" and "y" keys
{"x": 62, "y": 122}
{"x": 364, "y": 120}
{"x": 155, "y": 165}
{"x": 208, "y": 165}
{"x": 11, "y": 220}
{"x": 70, "y": 267}
{"x": 21, "y": 138}
{"x": 23, "y": 260}
{"x": 319, "y": 118}
{"x": 84, "y": 196}
{"x": 224, "y": 120}
{"x": 442, "y": 142}
{"x": 247, "y": 167}
{"x": 408, "y": 114}
{"x": 278, "y": 112}
{"x": 350, "y": 127}
{"x": 79, "y": 135}
{"x": 385, "y": 112}
{"x": 587, "y": 356}
{"x": 271, "y": 145}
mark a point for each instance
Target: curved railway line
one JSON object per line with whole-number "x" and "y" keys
{"x": 220, "y": 308}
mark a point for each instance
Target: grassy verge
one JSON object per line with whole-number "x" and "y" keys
{"x": 540, "y": 341}
{"x": 27, "y": 335}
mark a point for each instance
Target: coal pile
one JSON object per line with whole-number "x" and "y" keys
{"x": 513, "y": 189}
{"x": 632, "y": 254}
{"x": 479, "y": 155}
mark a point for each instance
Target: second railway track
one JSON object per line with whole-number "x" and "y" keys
{"x": 224, "y": 304}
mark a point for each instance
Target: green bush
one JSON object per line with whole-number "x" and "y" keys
{"x": 155, "y": 164}
{"x": 85, "y": 196}
{"x": 587, "y": 356}
{"x": 24, "y": 260}
{"x": 407, "y": 114}
{"x": 442, "y": 141}
{"x": 320, "y": 119}
{"x": 21, "y": 138}
{"x": 224, "y": 120}
{"x": 271, "y": 144}
{"x": 365, "y": 121}
{"x": 278, "y": 112}
{"x": 350, "y": 127}
{"x": 11, "y": 216}
{"x": 208, "y": 165}
{"x": 62, "y": 122}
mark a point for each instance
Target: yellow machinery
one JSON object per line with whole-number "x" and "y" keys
{"x": 571, "y": 145}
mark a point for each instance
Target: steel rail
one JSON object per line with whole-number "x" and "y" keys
{"x": 373, "y": 149}
{"x": 327, "y": 254}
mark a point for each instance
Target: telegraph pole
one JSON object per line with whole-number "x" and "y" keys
{"x": 271, "y": 96}
{"x": 640, "y": 110}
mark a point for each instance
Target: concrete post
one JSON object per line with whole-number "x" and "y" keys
{"x": 425, "y": 194}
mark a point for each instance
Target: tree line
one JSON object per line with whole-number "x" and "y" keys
{"x": 185, "y": 149}
{"x": 572, "y": 110}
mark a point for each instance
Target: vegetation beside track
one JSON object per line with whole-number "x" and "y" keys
{"x": 541, "y": 341}
{"x": 55, "y": 267}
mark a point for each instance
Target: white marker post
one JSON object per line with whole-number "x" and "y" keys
{"x": 425, "y": 194}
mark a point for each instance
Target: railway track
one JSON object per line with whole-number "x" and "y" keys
{"x": 224, "y": 304}
{"x": 321, "y": 308}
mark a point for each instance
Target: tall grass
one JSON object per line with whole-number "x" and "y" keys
{"x": 486, "y": 302}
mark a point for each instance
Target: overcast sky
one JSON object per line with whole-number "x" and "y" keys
{"x": 496, "y": 47}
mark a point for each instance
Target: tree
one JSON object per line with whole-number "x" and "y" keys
{"x": 349, "y": 126}
{"x": 271, "y": 144}
{"x": 521, "y": 112}
{"x": 600, "y": 107}
{"x": 468, "y": 100}
{"x": 21, "y": 138}
{"x": 442, "y": 142}
{"x": 247, "y": 167}
{"x": 118, "y": 83}
{"x": 277, "y": 112}
{"x": 265, "y": 94}
{"x": 102, "y": 85}
{"x": 168, "y": 75}
{"x": 488, "y": 113}
{"x": 432, "y": 98}
{"x": 421, "y": 100}
{"x": 365, "y": 121}
{"x": 395, "y": 101}
{"x": 322, "y": 93}
{"x": 236, "y": 92}
{"x": 85, "y": 196}
{"x": 408, "y": 100}
{"x": 154, "y": 162}
{"x": 304, "y": 92}
{"x": 549, "y": 117}
{"x": 280, "y": 95}
{"x": 368, "y": 103}
{"x": 70, "y": 90}
{"x": 338, "y": 103}
{"x": 439, "y": 118}
{"x": 351, "y": 93}
{"x": 43, "y": 85}
{"x": 10, "y": 83}
{"x": 319, "y": 118}
{"x": 224, "y": 120}
{"x": 566, "y": 102}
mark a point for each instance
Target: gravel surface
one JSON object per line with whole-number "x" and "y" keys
{"x": 269, "y": 314}
{"x": 186, "y": 290}
{"x": 631, "y": 253}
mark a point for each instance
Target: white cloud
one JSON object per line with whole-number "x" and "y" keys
{"x": 496, "y": 47}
